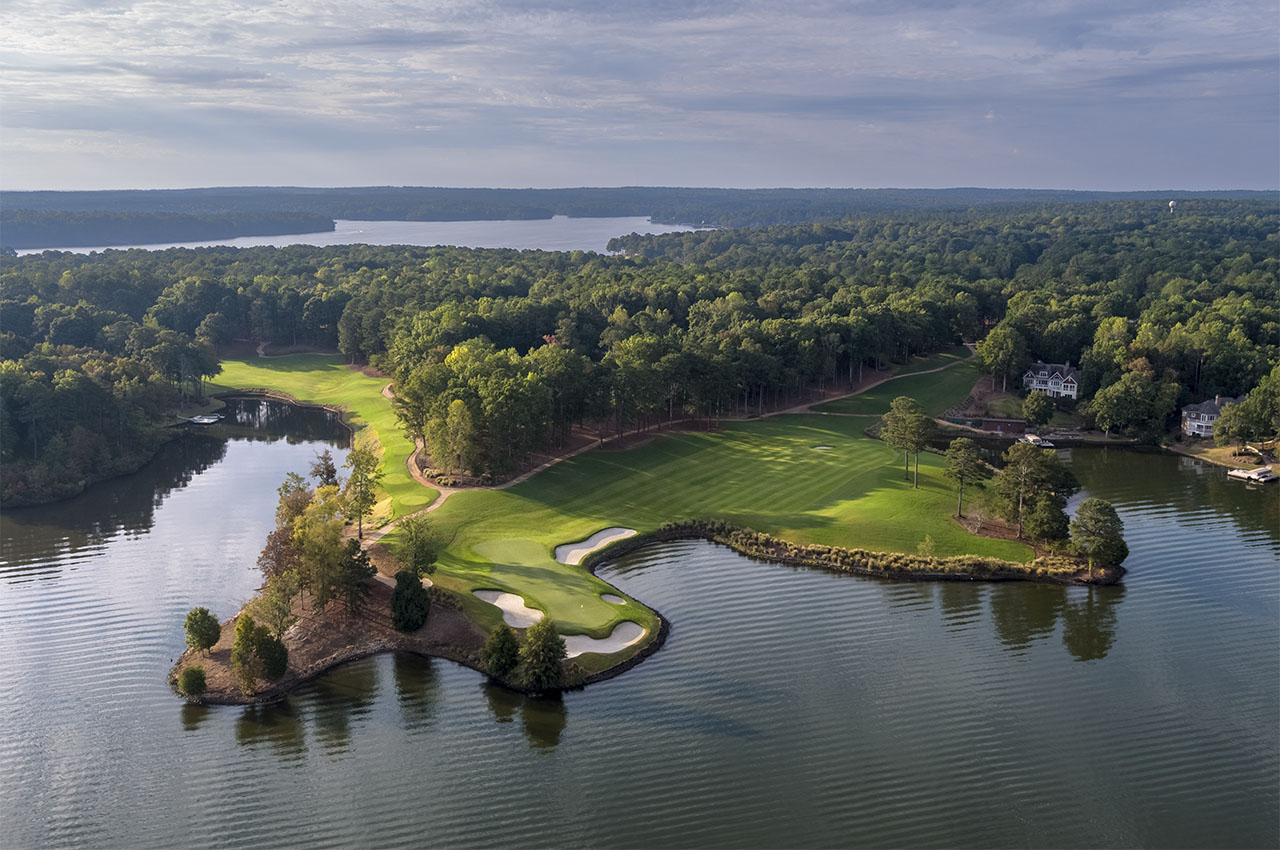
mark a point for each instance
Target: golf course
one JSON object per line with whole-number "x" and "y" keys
{"x": 804, "y": 478}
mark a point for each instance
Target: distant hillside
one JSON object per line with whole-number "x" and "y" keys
{"x": 723, "y": 207}
{"x": 27, "y": 228}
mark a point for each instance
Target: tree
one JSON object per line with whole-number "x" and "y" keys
{"x": 906, "y": 427}
{"x": 203, "y": 630}
{"x": 1047, "y": 520}
{"x": 279, "y": 555}
{"x": 191, "y": 682}
{"x": 323, "y": 470}
{"x": 965, "y": 466}
{"x": 1028, "y": 474}
{"x": 1138, "y": 403}
{"x": 245, "y": 661}
{"x": 353, "y": 579}
{"x": 1037, "y": 409}
{"x": 274, "y": 606}
{"x": 317, "y": 534}
{"x": 501, "y": 652}
{"x": 362, "y": 485}
{"x": 294, "y": 495}
{"x": 272, "y": 652}
{"x": 410, "y": 602}
{"x": 419, "y": 545}
{"x": 542, "y": 657}
{"x": 1097, "y": 533}
{"x": 1003, "y": 352}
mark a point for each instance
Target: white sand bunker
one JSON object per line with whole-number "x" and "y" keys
{"x": 822, "y": 448}
{"x": 624, "y": 634}
{"x": 573, "y": 553}
{"x": 514, "y": 612}
{"x": 613, "y": 599}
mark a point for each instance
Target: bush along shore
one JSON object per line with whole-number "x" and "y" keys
{"x": 1050, "y": 569}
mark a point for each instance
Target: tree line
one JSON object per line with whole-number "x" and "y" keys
{"x": 21, "y": 228}
{"x": 500, "y": 353}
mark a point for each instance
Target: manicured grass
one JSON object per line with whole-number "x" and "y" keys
{"x": 762, "y": 474}
{"x": 942, "y": 358}
{"x": 936, "y": 391}
{"x": 325, "y": 379}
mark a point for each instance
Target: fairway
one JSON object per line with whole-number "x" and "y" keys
{"x": 935, "y": 391}
{"x": 762, "y": 474}
{"x": 326, "y": 379}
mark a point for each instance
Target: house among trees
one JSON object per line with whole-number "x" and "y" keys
{"x": 1056, "y": 380}
{"x": 1198, "y": 419}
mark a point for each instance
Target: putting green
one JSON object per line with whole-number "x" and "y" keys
{"x": 326, "y": 379}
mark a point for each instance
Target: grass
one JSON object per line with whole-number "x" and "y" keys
{"x": 762, "y": 474}
{"x": 942, "y": 358}
{"x": 325, "y": 379}
{"x": 936, "y": 391}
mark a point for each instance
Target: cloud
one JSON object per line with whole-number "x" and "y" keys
{"x": 903, "y": 92}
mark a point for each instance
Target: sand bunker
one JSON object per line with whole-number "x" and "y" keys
{"x": 514, "y": 612}
{"x": 822, "y": 448}
{"x": 612, "y": 599}
{"x": 624, "y": 634}
{"x": 573, "y": 553}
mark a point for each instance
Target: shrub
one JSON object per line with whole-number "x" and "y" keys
{"x": 542, "y": 658}
{"x": 273, "y": 653}
{"x": 501, "y": 652}
{"x": 191, "y": 682}
{"x": 203, "y": 630}
{"x": 410, "y": 603}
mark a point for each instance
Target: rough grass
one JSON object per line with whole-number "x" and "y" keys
{"x": 325, "y": 379}
{"x": 936, "y": 392}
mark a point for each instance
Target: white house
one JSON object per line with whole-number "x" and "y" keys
{"x": 1056, "y": 380}
{"x": 1198, "y": 419}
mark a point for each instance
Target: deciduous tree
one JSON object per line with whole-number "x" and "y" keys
{"x": 362, "y": 485}
{"x": 203, "y": 629}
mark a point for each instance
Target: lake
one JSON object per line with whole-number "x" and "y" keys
{"x": 788, "y": 708}
{"x": 552, "y": 234}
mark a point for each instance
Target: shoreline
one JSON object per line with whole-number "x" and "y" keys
{"x": 450, "y": 634}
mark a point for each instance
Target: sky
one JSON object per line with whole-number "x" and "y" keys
{"x": 1076, "y": 94}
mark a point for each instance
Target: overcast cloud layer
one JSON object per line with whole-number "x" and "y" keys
{"x": 1112, "y": 94}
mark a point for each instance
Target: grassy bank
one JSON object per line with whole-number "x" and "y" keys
{"x": 325, "y": 379}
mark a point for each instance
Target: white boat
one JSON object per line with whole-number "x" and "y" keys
{"x": 1261, "y": 475}
{"x": 1034, "y": 440}
{"x": 205, "y": 419}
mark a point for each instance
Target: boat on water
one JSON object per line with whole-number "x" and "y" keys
{"x": 1035, "y": 440}
{"x": 205, "y": 419}
{"x": 1261, "y": 475}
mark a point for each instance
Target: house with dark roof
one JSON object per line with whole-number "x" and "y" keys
{"x": 1056, "y": 380}
{"x": 1198, "y": 419}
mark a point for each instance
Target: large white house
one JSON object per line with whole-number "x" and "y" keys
{"x": 1198, "y": 419}
{"x": 1056, "y": 380}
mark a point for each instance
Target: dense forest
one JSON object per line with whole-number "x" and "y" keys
{"x": 720, "y": 207}
{"x": 21, "y": 229}
{"x": 498, "y": 353}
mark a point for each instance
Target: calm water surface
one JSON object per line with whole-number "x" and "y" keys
{"x": 553, "y": 234}
{"x": 788, "y": 708}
